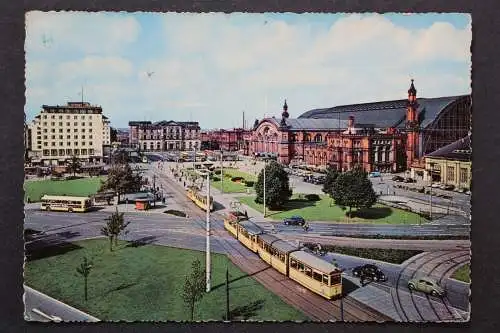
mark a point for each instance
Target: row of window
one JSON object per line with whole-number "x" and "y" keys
{"x": 68, "y": 137}
{"x": 61, "y": 143}
{"x": 68, "y": 130}
{"x": 68, "y": 117}
{"x": 329, "y": 280}
{"x": 463, "y": 176}
{"x": 67, "y": 124}
{"x": 271, "y": 250}
{"x": 67, "y": 152}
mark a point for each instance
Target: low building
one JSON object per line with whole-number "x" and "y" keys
{"x": 226, "y": 140}
{"x": 61, "y": 132}
{"x": 164, "y": 135}
{"x": 451, "y": 164}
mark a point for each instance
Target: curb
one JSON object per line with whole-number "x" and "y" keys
{"x": 91, "y": 318}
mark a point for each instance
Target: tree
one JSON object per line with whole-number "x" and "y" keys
{"x": 330, "y": 178}
{"x": 277, "y": 186}
{"x": 353, "y": 189}
{"x": 122, "y": 179}
{"x": 120, "y": 157}
{"x": 115, "y": 226}
{"x": 74, "y": 165}
{"x": 84, "y": 270}
{"x": 194, "y": 287}
{"x": 113, "y": 134}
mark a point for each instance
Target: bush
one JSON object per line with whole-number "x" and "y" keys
{"x": 312, "y": 197}
{"x": 249, "y": 183}
{"x": 227, "y": 175}
{"x": 237, "y": 179}
{"x": 215, "y": 178}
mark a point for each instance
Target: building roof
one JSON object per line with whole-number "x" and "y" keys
{"x": 314, "y": 262}
{"x": 388, "y": 113}
{"x": 138, "y": 123}
{"x": 459, "y": 150}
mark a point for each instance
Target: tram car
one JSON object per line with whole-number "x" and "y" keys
{"x": 200, "y": 200}
{"x": 301, "y": 266}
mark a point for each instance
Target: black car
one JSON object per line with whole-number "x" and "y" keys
{"x": 398, "y": 179}
{"x": 294, "y": 220}
{"x": 369, "y": 272}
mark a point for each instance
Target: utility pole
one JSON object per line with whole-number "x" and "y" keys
{"x": 221, "y": 172}
{"x": 227, "y": 292}
{"x": 265, "y": 186}
{"x": 430, "y": 202}
{"x": 154, "y": 190}
{"x": 208, "y": 232}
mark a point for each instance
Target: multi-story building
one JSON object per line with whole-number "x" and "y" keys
{"x": 382, "y": 136}
{"x": 61, "y": 132}
{"x": 164, "y": 135}
{"x": 227, "y": 140}
{"x": 451, "y": 164}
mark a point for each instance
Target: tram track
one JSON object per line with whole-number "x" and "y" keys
{"x": 314, "y": 306}
{"x": 416, "y": 312}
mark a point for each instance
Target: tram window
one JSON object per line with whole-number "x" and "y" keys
{"x": 335, "y": 279}
{"x": 326, "y": 280}
{"x": 300, "y": 267}
{"x": 308, "y": 271}
{"x": 317, "y": 276}
{"x": 282, "y": 257}
{"x": 293, "y": 263}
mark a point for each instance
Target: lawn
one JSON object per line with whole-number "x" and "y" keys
{"x": 229, "y": 186}
{"x": 323, "y": 211}
{"x": 462, "y": 274}
{"x": 145, "y": 282}
{"x": 35, "y": 189}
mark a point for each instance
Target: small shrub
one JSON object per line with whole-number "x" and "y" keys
{"x": 215, "y": 178}
{"x": 249, "y": 183}
{"x": 227, "y": 175}
{"x": 238, "y": 179}
{"x": 312, "y": 197}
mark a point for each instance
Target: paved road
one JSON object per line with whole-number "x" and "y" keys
{"x": 40, "y": 307}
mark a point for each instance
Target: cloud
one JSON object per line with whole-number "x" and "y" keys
{"x": 211, "y": 67}
{"x": 91, "y": 33}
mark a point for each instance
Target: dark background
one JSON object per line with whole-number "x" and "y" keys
{"x": 486, "y": 120}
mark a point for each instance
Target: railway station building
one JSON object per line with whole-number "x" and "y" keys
{"x": 388, "y": 136}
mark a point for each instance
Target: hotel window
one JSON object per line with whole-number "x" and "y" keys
{"x": 90, "y": 130}
{"x": 76, "y": 151}
{"x": 91, "y": 151}
{"x": 83, "y": 130}
{"x": 83, "y": 143}
{"x": 69, "y": 151}
{"x": 76, "y": 136}
{"x": 52, "y": 124}
{"x": 464, "y": 177}
{"x": 44, "y": 130}
{"x": 84, "y": 151}
{"x": 83, "y": 124}
{"x": 68, "y": 137}
{"x": 44, "y": 116}
{"x": 46, "y": 152}
{"x": 61, "y": 143}
{"x": 68, "y": 117}
{"x": 44, "y": 123}
{"x": 90, "y": 136}
{"x": 450, "y": 174}
{"x": 76, "y": 143}
{"x": 45, "y": 137}
{"x": 39, "y": 147}
{"x": 68, "y": 130}
{"x": 75, "y": 117}
{"x": 60, "y": 137}
{"x": 75, "y": 130}
{"x": 52, "y": 130}
{"x": 45, "y": 143}
{"x": 53, "y": 137}
{"x": 90, "y": 143}
{"x": 75, "y": 124}
{"x": 53, "y": 143}
{"x": 61, "y": 152}
{"x": 52, "y": 116}
{"x": 83, "y": 117}
{"x": 68, "y": 124}
{"x": 60, "y": 130}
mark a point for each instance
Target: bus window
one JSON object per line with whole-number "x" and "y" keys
{"x": 317, "y": 276}
{"x": 335, "y": 279}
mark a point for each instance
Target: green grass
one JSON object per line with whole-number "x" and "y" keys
{"x": 323, "y": 211}
{"x": 35, "y": 189}
{"x": 462, "y": 274}
{"x": 229, "y": 186}
{"x": 146, "y": 282}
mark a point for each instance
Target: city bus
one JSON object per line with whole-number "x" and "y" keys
{"x": 66, "y": 203}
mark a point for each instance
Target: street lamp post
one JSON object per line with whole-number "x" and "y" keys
{"x": 221, "y": 172}
{"x": 208, "y": 233}
{"x": 265, "y": 187}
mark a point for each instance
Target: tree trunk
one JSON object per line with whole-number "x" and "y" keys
{"x": 111, "y": 243}
{"x": 85, "y": 288}
{"x": 116, "y": 240}
{"x": 192, "y": 310}
{"x": 227, "y": 294}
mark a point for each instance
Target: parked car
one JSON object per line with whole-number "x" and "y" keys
{"x": 319, "y": 180}
{"x": 294, "y": 220}
{"x": 374, "y": 174}
{"x": 410, "y": 180}
{"x": 426, "y": 285}
{"x": 369, "y": 272}
{"x": 398, "y": 179}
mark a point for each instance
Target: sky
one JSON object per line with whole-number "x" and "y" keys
{"x": 213, "y": 67}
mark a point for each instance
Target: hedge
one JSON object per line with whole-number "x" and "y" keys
{"x": 312, "y": 197}
{"x": 249, "y": 183}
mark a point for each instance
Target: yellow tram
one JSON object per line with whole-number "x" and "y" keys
{"x": 200, "y": 200}
{"x": 301, "y": 266}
